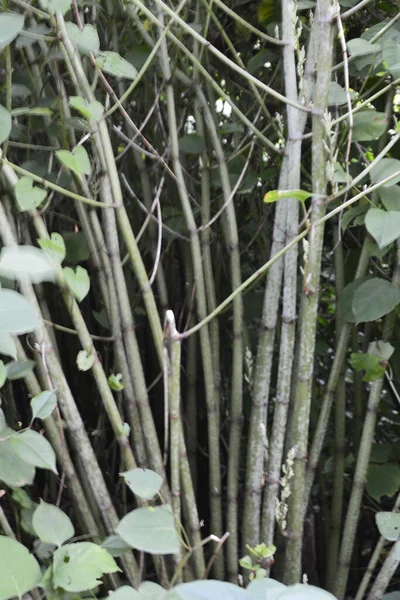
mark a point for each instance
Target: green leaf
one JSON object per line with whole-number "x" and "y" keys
{"x": 352, "y": 213}
{"x": 388, "y": 524}
{"x": 390, "y": 197}
{"x": 361, "y": 47}
{"x": 28, "y": 197}
{"x": 228, "y": 128}
{"x": 275, "y": 195}
{"x": 91, "y": 110}
{"x": 257, "y": 62}
{"x": 392, "y": 595}
{"x": 336, "y": 95}
{"x": 54, "y": 248}
{"x": 368, "y": 125}
{"x": 86, "y": 40}
{"x": 145, "y": 483}
{"x": 382, "y": 349}
{"x": 265, "y": 11}
{"x": 150, "y": 530}
{"x": 20, "y": 368}
{"x": 77, "y": 246}
{"x": 19, "y": 570}
{"x": 10, "y": 26}
{"x": 3, "y": 374}
{"x": 78, "y": 162}
{"x": 386, "y": 168}
{"x": 24, "y": 41}
{"x": 125, "y": 592}
{"x": 374, "y": 299}
{"x": 51, "y": 524}
{"x": 152, "y": 591}
{"x": 207, "y": 590}
{"x": 84, "y": 360}
{"x": 78, "y": 567}
{"x": 17, "y": 315}
{"x": 384, "y": 226}
{"x": 265, "y": 588}
{"x": 7, "y": 345}
{"x": 383, "y": 480}
{"x": 78, "y": 282}
{"x": 14, "y": 471}
{"x": 3, "y": 423}
{"x": 192, "y": 144}
{"x": 53, "y": 6}
{"x": 26, "y": 261}
{"x": 115, "y": 382}
{"x": 34, "y": 449}
{"x": 114, "y": 64}
{"x": 5, "y": 124}
{"x": 43, "y": 404}
{"x": 115, "y": 546}
{"x": 340, "y": 175}
{"x": 373, "y": 365}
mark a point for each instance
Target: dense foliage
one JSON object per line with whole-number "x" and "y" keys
{"x": 200, "y": 291}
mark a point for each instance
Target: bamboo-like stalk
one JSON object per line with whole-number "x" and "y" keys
{"x": 173, "y": 340}
{"x": 385, "y": 574}
{"x": 207, "y": 359}
{"x": 340, "y": 434}
{"x": 308, "y": 313}
{"x": 76, "y": 429}
{"x": 360, "y": 474}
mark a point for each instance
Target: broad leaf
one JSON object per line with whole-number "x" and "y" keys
{"x": 79, "y": 567}
{"x": 301, "y": 591}
{"x": 43, "y": 404}
{"x": 368, "y": 125}
{"x": 150, "y": 530}
{"x": 86, "y": 40}
{"x": 77, "y": 161}
{"x": 91, "y": 110}
{"x": 373, "y": 366}
{"x": 14, "y": 471}
{"x": 28, "y": 197}
{"x": 152, "y": 591}
{"x": 361, "y": 47}
{"x": 383, "y": 480}
{"x": 114, "y": 64}
{"x": 35, "y": 450}
{"x": 24, "y": 41}
{"x": 78, "y": 282}
{"x": 336, "y": 95}
{"x": 26, "y": 261}
{"x": 192, "y": 144}
{"x": 384, "y": 226}
{"x": 352, "y": 213}
{"x": 274, "y": 195}
{"x": 125, "y": 592}
{"x": 257, "y": 62}
{"x": 7, "y": 345}
{"x": 373, "y": 299}
{"x": 54, "y": 6}
{"x": 19, "y": 570}
{"x": 10, "y": 26}
{"x": 17, "y": 315}
{"x": 77, "y": 246}
{"x": 51, "y": 524}
{"x": 392, "y": 595}
{"x": 390, "y": 197}
{"x": 19, "y": 368}
{"x": 143, "y": 482}
{"x": 388, "y": 524}
{"x": 207, "y": 590}
{"x": 115, "y": 546}
{"x": 5, "y": 124}
{"x": 265, "y": 588}
{"x": 54, "y": 248}
{"x": 386, "y": 167}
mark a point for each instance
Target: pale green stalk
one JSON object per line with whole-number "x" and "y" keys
{"x": 385, "y": 575}
{"x": 212, "y": 397}
{"x": 308, "y": 313}
{"x": 360, "y": 474}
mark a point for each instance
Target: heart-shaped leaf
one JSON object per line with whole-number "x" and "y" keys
{"x": 90, "y": 110}
{"x": 86, "y": 40}
{"x": 384, "y": 226}
{"x": 373, "y": 299}
{"x": 54, "y": 248}
{"x": 78, "y": 281}
{"x": 77, "y": 161}
{"x": 14, "y": 471}
{"x": 19, "y": 570}
{"x": 17, "y": 315}
{"x": 28, "y": 197}
{"x": 7, "y": 345}
{"x": 26, "y": 261}
{"x": 54, "y": 6}
{"x": 389, "y": 525}
{"x": 51, "y": 524}
{"x": 387, "y": 167}
{"x": 114, "y": 64}
{"x": 10, "y": 26}
{"x": 5, "y": 124}
{"x": 34, "y": 449}
{"x": 143, "y": 482}
{"x": 150, "y": 530}
{"x": 43, "y": 404}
